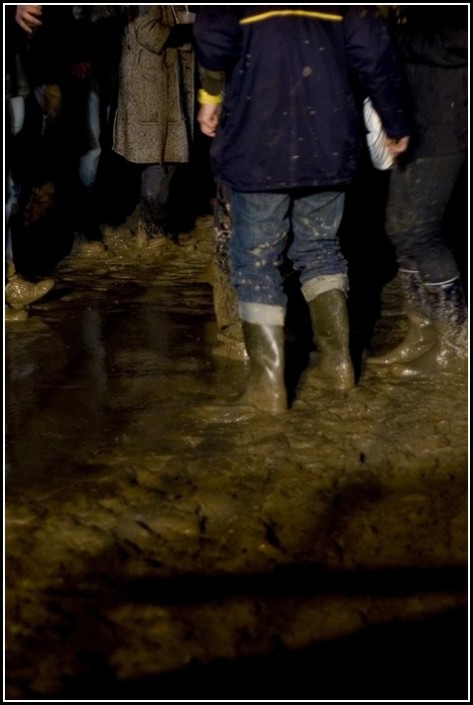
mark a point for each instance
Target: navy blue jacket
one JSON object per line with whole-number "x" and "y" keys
{"x": 290, "y": 117}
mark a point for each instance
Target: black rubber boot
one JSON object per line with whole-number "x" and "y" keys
{"x": 265, "y": 388}
{"x": 330, "y": 326}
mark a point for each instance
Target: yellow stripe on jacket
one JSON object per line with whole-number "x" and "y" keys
{"x": 294, "y": 13}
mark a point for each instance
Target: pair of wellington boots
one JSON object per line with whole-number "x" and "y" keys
{"x": 266, "y": 389}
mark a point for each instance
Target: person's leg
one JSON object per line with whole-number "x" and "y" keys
{"x": 315, "y": 250}
{"x": 260, "y": 228}
{"x": 18, "y": 292}
{"x": 155, "y": 185}
{"x": 437, "y": 265}
{"x": 428, "y": 272}
{"x": 84, "y": 170}
{"x": 224, "y": 294}
{"x": 14, "y": 119}
{"x": 316, "y": 254}
{"x": 405, "y": 189}
{"x": 89, "y": 160}
{"x": 261, "y": 223}
{"x": 415, "y": 215}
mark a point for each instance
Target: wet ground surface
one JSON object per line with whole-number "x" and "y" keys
{"x": 163, "y": 544}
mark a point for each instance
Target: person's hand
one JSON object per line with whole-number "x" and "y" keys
{"x": 397, "y": 147}
{"x": 28, "y": 17}
{"x": 208, "y": 117}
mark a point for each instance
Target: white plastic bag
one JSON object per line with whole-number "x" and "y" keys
{"x": 376, "y": 138}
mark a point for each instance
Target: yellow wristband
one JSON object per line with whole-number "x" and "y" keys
{"x": 205, "y": 98}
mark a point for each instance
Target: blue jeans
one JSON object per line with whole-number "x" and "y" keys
{"x": 89, "y": 161}
{"x": 16, "y": 109}
{"x": 261, "y": 225}
{"x": 418, "y": 196}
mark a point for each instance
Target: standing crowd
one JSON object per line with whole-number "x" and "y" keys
{"x": 277, "y": 91}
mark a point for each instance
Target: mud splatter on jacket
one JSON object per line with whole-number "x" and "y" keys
{"x": 289, "y": 117}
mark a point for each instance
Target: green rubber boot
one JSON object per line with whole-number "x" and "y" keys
{"x": 265, "y": 388}
{"x": 330, "y": 327}
{"x": 449, "y": 353}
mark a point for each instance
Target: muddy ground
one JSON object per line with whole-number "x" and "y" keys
{"x": 163, "y": 544}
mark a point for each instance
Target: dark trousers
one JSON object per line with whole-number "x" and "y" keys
{"x": 418, "y": 197}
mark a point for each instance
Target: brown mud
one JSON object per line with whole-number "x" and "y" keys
{"x": 164, "y": 544}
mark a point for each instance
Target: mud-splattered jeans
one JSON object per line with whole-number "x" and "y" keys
{"x": 418, "y": 197}
{"x": 261, "y": 225}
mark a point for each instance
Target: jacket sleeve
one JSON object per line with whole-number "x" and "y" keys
{"x": 217, "y": 36}
{"x": 152, "y": 30}
{"x": 372, "y": 55}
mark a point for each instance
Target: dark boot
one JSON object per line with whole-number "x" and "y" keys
{"x": 449, "y": 352}
{"x": 330, "y": 326}
{"x": 265, "y": 387}
{"x": 421, "y": 334}
{"x": 152, "y": 220}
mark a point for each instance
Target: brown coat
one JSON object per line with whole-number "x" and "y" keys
{"x": 155, "y": 113}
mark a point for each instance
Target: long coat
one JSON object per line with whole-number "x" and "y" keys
{"x": 154, "y": 118}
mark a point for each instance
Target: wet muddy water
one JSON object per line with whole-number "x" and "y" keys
{"x": 163, "y": 543}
